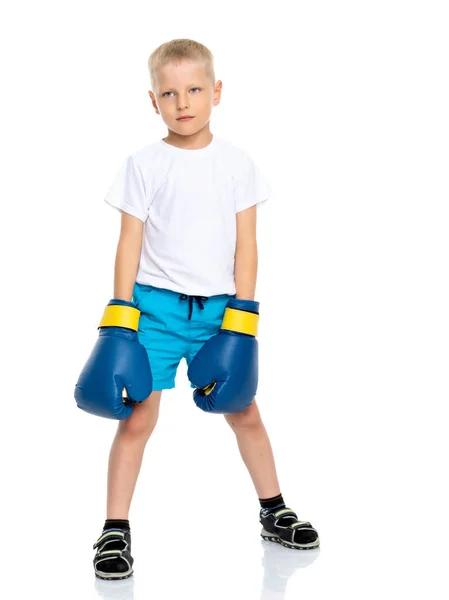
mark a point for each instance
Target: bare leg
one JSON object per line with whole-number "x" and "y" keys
{"x": 255, "y": 450}
{"x": 126, "y": 454}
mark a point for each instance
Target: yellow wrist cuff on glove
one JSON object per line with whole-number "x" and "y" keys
{"x": 240, "y": 321}
{"x": 116, "y": 315}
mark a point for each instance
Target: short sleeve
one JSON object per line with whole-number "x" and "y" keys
{"x": 127, "y": 192}
{"x": 251, "y": 186}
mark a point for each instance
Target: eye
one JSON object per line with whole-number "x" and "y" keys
{"x": 164, "y": 95}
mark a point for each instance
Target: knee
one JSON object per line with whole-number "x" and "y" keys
{"x": 137, "y": 428}
{"x": 142, "y": 421}
{"x": 249, "y": 418}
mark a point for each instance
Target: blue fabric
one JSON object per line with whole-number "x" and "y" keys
{"x": 167, "y": 333}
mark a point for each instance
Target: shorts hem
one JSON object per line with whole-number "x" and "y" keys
{"x": 163, "y": 385}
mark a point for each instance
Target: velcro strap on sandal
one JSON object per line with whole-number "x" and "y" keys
{"x": 285, "y": 512}
{"x": 111, "y": 535}
{"x": 300, "y": 524}
{"x": 111, "y": 553}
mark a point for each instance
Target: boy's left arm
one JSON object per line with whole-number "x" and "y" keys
{"x": 246, "y": 258}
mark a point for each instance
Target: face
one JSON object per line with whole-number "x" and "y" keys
{"x": 182, "y": 89}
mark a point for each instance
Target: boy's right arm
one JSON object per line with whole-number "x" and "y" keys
{"x": 128, "y": 256}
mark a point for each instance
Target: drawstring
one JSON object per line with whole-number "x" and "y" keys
{"x": 199, "y": 301}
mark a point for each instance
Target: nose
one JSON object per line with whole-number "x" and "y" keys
{"x": 182, "y": 102}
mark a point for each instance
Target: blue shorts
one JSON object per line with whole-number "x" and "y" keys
{"x": 173, "y": 326}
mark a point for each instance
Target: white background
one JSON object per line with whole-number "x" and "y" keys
{"x": 344, "y": 106}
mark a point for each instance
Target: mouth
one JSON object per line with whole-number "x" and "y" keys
{"x": 185, "y": 118}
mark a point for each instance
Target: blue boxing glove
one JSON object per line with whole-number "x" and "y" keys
{"x": 225, "y": 370}
{"x": 117, "y": 373}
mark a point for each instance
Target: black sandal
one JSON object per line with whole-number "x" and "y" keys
{"x": 113, "y": 559}
{"x": 284, "y": 534}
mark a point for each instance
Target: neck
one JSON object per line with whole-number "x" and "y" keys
{"x": 195, "y": 141}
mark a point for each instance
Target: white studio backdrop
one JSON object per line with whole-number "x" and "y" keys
{"x": 344, "y": 106}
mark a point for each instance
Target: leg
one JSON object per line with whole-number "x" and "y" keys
{"x": 126, "y": 455}
{"x": 255, "y": 449}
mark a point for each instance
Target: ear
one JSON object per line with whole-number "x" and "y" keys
{"x": 153, "y": 101}
{"x": 217, "y": 92}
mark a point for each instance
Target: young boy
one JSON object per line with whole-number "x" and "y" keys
{"x": 187, "y": 245}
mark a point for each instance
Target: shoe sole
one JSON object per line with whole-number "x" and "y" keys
{"x": 106, "y": 576}
{"x": 270, "y": 537}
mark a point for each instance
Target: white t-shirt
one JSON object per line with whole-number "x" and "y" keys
{"x": 188, "y": 200}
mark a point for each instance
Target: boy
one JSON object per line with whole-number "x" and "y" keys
{"x": 188, "y": 233}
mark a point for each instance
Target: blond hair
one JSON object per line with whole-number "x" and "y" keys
{"x": 177, "y": 50}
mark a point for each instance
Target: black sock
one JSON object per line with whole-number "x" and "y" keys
{"x": 272, "y": 504}
{"x": 119, "y": 523}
